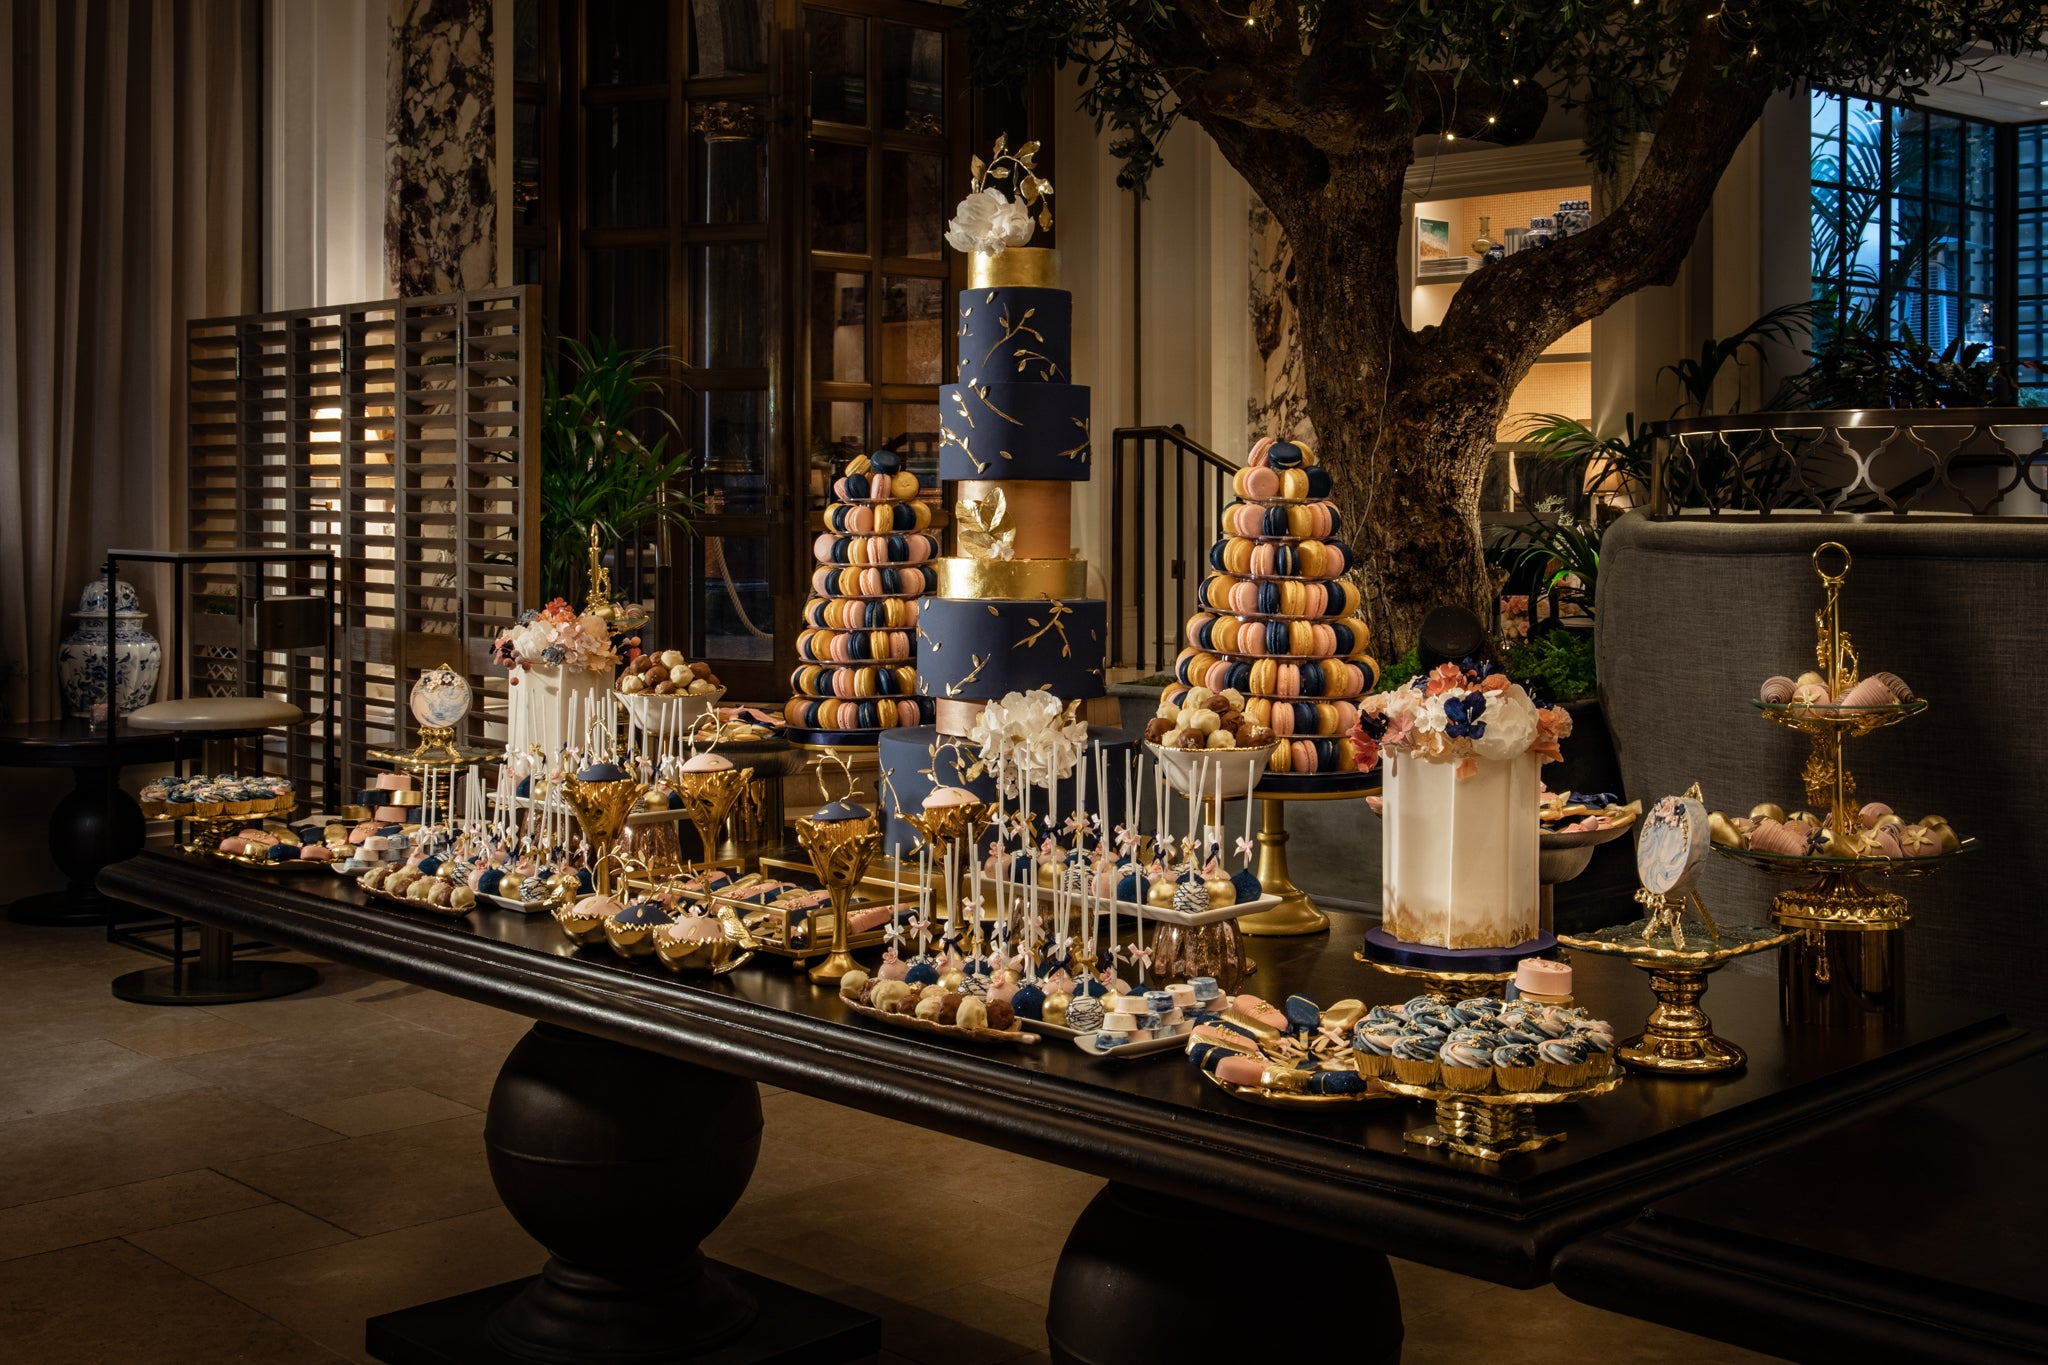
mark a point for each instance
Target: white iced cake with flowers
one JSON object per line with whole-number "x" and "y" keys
{"x": 1460, "y": 748}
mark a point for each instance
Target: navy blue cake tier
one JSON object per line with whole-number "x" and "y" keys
{"x": 973, "y": 650}
{"x": 1013, "y": 431}
{"x": 916, "y": 759}
{"x": 1015, "y": 334}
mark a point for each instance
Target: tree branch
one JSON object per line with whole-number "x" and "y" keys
{"x": 1517, "y": 307}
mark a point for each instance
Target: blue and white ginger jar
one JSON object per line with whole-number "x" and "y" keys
{"x": 82, "y": 658}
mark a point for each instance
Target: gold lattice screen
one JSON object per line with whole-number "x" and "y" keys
{"x": 399, "y": 436}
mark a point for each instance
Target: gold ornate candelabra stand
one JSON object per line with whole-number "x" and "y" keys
{"x": 1837, "y": 898}
{"x": 1835, "y": 912}
{"x": 840, "y": 851}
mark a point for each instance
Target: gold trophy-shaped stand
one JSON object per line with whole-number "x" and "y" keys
{"x": 840, "y": 852}
{"x": 959, "y": 828}
{"x": 708, "y": 799}
{"x": 601, "y": 809}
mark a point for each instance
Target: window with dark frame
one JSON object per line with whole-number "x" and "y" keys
{"x": 1934, "y": 224}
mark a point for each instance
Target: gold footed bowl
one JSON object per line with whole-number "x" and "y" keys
{"x": 715, "y": 955}
{"x": 585, "y": 925}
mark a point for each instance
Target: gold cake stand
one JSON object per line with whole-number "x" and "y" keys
{"x": 1296, "y": 914}
{"x": 1446, "y": 986}
{"x": 1490, "y": 1124}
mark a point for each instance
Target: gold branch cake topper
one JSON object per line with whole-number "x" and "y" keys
{"x": 989, "y": 219}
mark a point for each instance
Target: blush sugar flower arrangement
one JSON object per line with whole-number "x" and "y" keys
{"x": 556, "y": 637}
{"x": 1461, "y": 713}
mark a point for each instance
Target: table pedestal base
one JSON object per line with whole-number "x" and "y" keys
{"x": 620, "y": 1162}
{"x": 1117, "y": 1297}
{"x": 96, "y": 823}
{"x": 790, "y": 1327}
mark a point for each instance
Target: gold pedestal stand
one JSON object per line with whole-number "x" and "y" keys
{"x": 437, "y": 751}
{"x": 1678, "y": 1038}
{"x": 1492, "y": 1125}
{"x": 1296, "y": 914}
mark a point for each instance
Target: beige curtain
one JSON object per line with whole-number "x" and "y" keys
{"x": 128, "y": 204}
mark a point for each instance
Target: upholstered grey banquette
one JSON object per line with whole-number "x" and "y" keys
{"x": 1695, "y": 612}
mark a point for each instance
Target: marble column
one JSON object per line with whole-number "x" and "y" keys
{"x": 1279, "y": 403}
{"x": 441, "y": 209}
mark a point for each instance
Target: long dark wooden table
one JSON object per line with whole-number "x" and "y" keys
{"x": 1915, "y": 1235}
{"x": 1172, "y": 1145}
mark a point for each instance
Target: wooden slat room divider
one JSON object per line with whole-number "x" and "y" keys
{"x": 402, "y": 437}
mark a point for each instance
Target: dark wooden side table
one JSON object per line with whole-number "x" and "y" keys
{"x": 96, "y": 823}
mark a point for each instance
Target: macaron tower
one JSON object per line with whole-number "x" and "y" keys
{"x": 858, "y": 672}
{"x": 1278, "y": 623}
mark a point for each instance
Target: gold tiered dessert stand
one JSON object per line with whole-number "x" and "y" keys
{"x": 1838, "y": 898}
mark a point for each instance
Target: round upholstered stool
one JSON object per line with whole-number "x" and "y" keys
{"x": 215, "y": 977}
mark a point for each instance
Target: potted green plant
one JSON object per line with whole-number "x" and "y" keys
{"x": 595, "y": 467}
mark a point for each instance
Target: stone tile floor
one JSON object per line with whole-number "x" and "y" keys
{"x": 249, "y": 1183}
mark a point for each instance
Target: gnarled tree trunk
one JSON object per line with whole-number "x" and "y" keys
{"x": 1405, "y": 420}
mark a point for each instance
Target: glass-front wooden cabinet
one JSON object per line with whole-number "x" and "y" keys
{"x": 760, "y": 187}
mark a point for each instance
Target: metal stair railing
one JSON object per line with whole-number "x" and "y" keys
{"x": 1167, "y": 494}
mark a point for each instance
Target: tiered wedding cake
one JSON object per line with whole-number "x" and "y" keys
{"x": 1278, "y": 622}
{"x": 1011, "y": 612}
{"x": 858, "y": 677}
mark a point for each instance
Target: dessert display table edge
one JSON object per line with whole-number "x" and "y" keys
{"x": 1178, "y": 1143}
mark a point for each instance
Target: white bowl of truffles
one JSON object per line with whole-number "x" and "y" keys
{"x": 663, "y": 690}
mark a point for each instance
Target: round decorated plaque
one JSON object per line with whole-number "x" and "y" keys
{"x": 440, "y": 698}
{"x": 1673, "y": 845}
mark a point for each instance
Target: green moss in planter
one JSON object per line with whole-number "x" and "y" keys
{"x": 1559, "y": 662}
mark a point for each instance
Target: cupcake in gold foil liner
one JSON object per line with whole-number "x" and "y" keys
{"x": 1467, "y": 1061}
{"x": 1417, "y": 1061}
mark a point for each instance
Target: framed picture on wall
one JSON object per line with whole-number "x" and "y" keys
{"x": 1432, "y": 241}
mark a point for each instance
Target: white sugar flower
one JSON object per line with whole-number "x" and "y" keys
{"x": 989, "y": 222}
{"x": 1510, "y": 722}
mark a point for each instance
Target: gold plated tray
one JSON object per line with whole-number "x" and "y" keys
{"x": 1824, "y": 719}
{"x": 404, "y": 903}
{"x": 1816, "y": 864}
{"x": 1297, "y": 1099}
{"x": 914, "y": 1024}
